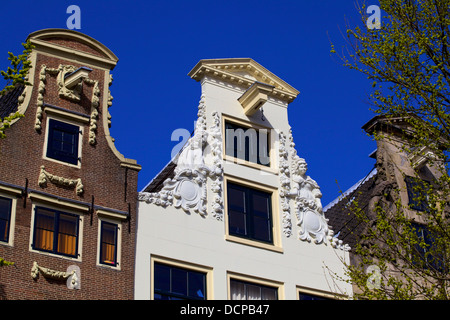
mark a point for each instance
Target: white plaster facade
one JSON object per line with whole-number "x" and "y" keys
{"x": 186, "y": 223}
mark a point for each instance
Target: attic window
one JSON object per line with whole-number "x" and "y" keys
{"x": 63, "y": 141}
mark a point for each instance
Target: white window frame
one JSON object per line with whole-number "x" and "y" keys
{"x": 13, "y": 194}
{"x": 104, "y": 216}
{"x": 69, "y": 118}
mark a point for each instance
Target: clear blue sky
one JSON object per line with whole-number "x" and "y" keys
{"x": 158, "y": 42}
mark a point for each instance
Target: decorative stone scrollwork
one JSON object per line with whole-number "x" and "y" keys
{"x": 215, "y": 144}
{"x": 72, "y": 93}
{"x": 95, "y": 102}
{"x": 64, "y": 92}
{"x": 45, "y": 176}
{"x": 308, "y": 206}
{"x": 73, "y": 280}
{"x": 285, "y": 184}
{"x": 187, "y": 189}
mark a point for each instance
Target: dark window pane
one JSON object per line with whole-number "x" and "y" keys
{"x": 236, "y": 199}
{"x": 162, "y": 277}
{"x": 179, "y": 281}
{"x": 237, "y": 223}
{"x": 261, "y": 204}
{"x": 262, "y": 229}
{"x": 5, "y": 217}
{"x": 197, "y": 285}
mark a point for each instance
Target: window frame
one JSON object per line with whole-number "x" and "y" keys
{"x": 10, "y": 227}
{"x": 424, "y": 258}
{"x": 275, "y": 245}
{"x": 185, "y": 266}
{"x": 321, "y": 295}
{"x": 271, "y": 167}
{"x": 413, "y": 204}
{"x": 48, "y": 135}
{"x": 257, "y": 281}
{"x": 118, "y": 243}
{"x": 54, "y": 252}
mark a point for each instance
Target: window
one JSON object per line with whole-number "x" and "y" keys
{"x": 108, "y": 243}
{"x": 243, "y": 290}
{"x": 307, "y": 296}
{"x": 426, "y": 253}
{"x": 176, "y": 283}
{"x": 5, "y": 218}
{"x": 63, "y": 139}
{"x": 55, "y": 232}
{"x": 249, "y": 213}
{"x": 417, "y": 193}
{"x": 247, "y": 143}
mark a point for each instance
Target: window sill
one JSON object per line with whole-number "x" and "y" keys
{"x": 253, "y": 165}
{"x": 254, "y": 243}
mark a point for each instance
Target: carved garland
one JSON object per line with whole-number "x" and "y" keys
{"x": 56, "y": 275}
{"x": 45, "y": 176}
{"x": 285, "y": 185}
{"x": 215, "y": 144}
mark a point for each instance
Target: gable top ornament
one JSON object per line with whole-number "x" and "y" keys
{"x": 244, "y": 72}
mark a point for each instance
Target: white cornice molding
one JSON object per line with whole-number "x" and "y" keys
{"x": 233, "y": 70}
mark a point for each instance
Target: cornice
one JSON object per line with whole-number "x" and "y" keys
{"x": 108, "y": 60}
{"x": 234, "y": 70}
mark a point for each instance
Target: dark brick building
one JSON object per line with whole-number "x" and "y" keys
{"x": 67, "y": 196}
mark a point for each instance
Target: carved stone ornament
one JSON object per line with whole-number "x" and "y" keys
{"x": 45, "y": 176}
{"x": 187, "y": 189}
{"x": 71, "y": 275}
{"x": 71, "y": 93}
{"x": 285, "y": 183}
{"x": 308, "y": 206}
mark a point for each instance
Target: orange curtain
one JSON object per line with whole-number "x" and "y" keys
{"x": 108, "y": 244}
{"x": 67, "y": 235}
{"x": 44, "y": 231}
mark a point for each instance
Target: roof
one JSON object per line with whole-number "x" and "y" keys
{"x": 9, "y": 102}
{"x": 343, "y": 223}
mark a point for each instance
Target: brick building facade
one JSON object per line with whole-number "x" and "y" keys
{"x": 67, "y": 196}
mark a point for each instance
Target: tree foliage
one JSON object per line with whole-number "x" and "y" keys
{"x": 408, "y": 62}
{"x": 16, "y": 74}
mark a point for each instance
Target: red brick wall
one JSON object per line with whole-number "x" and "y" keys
{"x": 21, "y": 156}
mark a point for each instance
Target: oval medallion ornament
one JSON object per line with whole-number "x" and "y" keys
{"x": 188, "y": 190}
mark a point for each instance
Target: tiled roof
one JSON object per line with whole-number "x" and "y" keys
{"x": 340, "y": 218}
{"x": 9, "y": 101}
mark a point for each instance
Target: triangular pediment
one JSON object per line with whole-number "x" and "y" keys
{"x": 243, "y": 71}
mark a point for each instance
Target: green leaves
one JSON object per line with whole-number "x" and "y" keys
{"x": 15, "y": 75}
{"x": 407, "y": 63}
